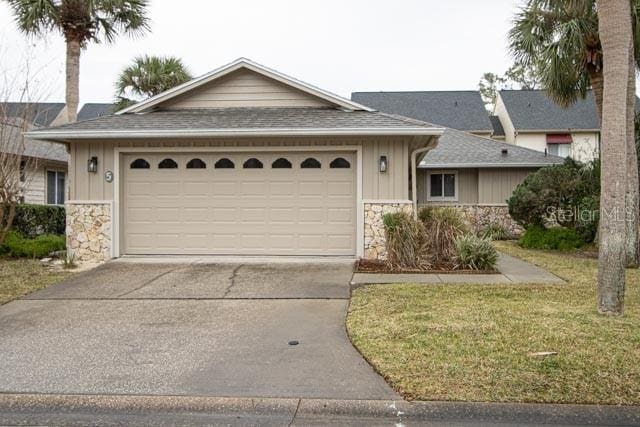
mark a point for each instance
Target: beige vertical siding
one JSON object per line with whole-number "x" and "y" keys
{"x": 467, "y": 187}
{"x": 245, "y": 88}
{"x": 495, "y": 186}
{"x": 36, "y": 190}
{"x": 392, "y": 185}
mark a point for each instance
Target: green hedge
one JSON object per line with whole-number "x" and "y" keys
{"x": 35, "y": 220}
{"x": 18, "y": 246}
{"x": 557, "y": 238}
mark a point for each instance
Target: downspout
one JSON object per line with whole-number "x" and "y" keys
{"x": 414, "y": 172}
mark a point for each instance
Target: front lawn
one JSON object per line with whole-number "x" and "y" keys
{"x": 19, "y": 277}
{"x": 473, "y": 343}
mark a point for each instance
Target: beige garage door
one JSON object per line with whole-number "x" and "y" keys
{"x": 240, "y": 203}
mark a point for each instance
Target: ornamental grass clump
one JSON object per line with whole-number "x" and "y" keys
{"x": 475, "y": 253}
{"x": 442, "y": 225}
{"x": 405, "y": 241}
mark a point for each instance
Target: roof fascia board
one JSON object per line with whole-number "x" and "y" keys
{"x": 234, "y": 66}
{"x": 566, "y": 130}
{"x": 202, "y": 133}
{"x": 485, "y": 165}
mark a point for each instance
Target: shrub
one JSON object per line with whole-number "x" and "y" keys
{"x": 475, "y": 252}
{"x": 555, "y": 238}
{"x": 442, "y": 226}
{"x": 34, "y": 220}
{"x": 494, "y": 232}
{"x": 16, "y": 245}
{"x": 567, "y": 195}
{"x": 405, "y": 241}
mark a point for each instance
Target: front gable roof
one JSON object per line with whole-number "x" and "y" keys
{"x": 237, "y": 65}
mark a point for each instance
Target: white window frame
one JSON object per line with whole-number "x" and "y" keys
{"x": 442, "y": 198}
{"x": 46, "y": 186}
{"x": 569, "y": 144}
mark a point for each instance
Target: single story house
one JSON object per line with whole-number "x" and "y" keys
{"x": 467, "y": 169}
{"x": 243, "y": 160}
{"x": 43, "y": 170}
{"x": 530, "y": 119}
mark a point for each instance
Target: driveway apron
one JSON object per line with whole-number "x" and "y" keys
{"x": 214, "y": 329}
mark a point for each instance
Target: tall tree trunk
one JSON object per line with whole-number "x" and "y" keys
{"x": 633, "y": 186}
{"x": 73, "y": 79}
{"x": 615, "y": 36}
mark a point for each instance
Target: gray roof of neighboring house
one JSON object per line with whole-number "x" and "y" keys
{"x": 43, "y": 112}
{"x": 534, "y": 110}
{"x": 463, "y": 110}
{"x": 46, "y": 150}
{"x": 239, "y": 118}
{"x": 498, "y": 130}
{"x": 457, "y": 149}
{"x": 93, "y": 109}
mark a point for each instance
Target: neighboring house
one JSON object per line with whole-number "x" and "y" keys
{"x": 93, "y": 110}
{"x": 242, "y": 160}
{"x": 462, "y": 110}
{"x": 44, "y": 168}
{"x": 471, "y": 172}
{"x": 530, "y": 119}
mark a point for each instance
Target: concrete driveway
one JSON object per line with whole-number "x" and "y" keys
{"x": 216, "y": 329}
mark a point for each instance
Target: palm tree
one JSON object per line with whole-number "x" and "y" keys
{"x": 559, "y": 39}
{"x": 149, "y": 76}
{"x": 616, "y": 35}
{"x": 80, "y": 22}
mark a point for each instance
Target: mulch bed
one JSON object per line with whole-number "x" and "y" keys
{"x": 377, "y": 266}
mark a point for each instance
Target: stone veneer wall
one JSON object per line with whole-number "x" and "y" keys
{"x": 89, "y": 231}
{"x": 374, "y": 239}
{"x": 479, "y": 217}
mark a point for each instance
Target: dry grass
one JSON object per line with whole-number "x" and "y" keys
{"x": 472, "y": 343}
{"x": 19, "y": 277}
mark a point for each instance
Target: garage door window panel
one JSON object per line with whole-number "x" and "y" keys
{"x": 140, "y": 164}
{"x": 168, "y": 164}
{"x": 310, "y": 163}
{"x": 196, "y": 164}
{"x": 340, "y": 163}
{"x": 224, "y": 163}
{"x": 281, "y": 163}
{"x": 252, "y": 163}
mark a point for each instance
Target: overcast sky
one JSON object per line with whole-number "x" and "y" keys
{"x": 339, "y": 45}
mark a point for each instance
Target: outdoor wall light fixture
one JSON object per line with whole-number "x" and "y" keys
{"x": 92, "y": 164}
{"x": 383, "y": 163}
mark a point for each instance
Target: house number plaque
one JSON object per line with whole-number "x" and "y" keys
{"x": 108, "y": 176}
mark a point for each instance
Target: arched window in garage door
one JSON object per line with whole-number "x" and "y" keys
{"x": 168, "y": 164}
{"x": 310, "y": 163}
{"x": 139, "y": 164}
{"x": 252, "y": 163}
{"x": 196, "y": 164}
{"x": 340, "y": 163}
{"x": 224, "y": 163}
{"x": 281, "y": 163}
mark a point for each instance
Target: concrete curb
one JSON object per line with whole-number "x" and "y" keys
{"x": 105, "y": 409}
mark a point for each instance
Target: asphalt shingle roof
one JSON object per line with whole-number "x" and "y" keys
{"x": 460, "y": 149}
{"x": 242, "y": 118}
{"x": 534, "y": 110}
{"x": 43, "y": 113}
{"x": 498, "y": 130}
{"x": 463, "y": 110}
{"x": 92, "y": 110}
